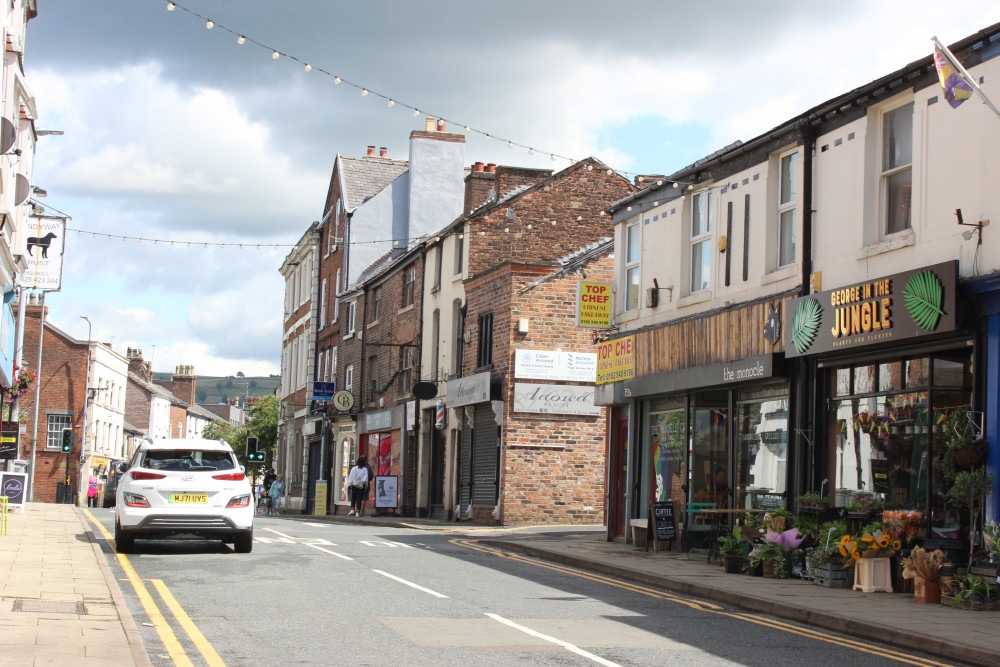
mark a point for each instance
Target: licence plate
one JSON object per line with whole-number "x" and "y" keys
{"x": 189, "y": 498}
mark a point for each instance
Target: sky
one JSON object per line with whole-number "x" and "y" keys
{"x": 176, "y": 133}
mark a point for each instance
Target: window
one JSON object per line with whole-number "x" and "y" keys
{"x": 458, "y": 335}
{"x": 408, "y": 287}
{"x": 633, "y": 252}
{"x": 336, "y": 301}
{"x": 377, "y": 304}
{"x": 352, "y": 309}
{"x": 349, "y": 378}
{"x": 436, "y": 345}
{"x": 56, "y": 425}
{"x": 701, "y": 241}
{"x": 437, "y": 267}
{"x": 485, "y": 351}
{"x": 322, "y": 305}
{"x": 458, "y": 254}
{"x": 321, "y": 363}
{"x": 373, "y": 375}
{"x": 786, "y": 208}
{"x": 897, "y": 159}
{"x": 406, "y": 371}
{"x": 332, "y": 365}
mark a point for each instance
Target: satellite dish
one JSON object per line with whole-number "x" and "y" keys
{"x": 8, "y": 135}
{"x": 425, "y": 390}
{"x": 21, "y": 189}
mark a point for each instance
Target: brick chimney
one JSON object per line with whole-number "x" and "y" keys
{"x": 137, "y": 365}
{"x": 383, "y": 152}
{"x": 183, "y": 384}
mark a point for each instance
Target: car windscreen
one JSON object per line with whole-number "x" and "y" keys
{"x": 187, "y": 459}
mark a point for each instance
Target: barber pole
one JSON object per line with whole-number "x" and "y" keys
{"x": 439, "y": 415}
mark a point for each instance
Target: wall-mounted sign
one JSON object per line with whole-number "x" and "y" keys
{"x": 906, "y": 305}
{"x": 324, "y": 391}
{"x": 468, "y": 390}
{"x": 555, "y": 399}
{"x": 616, "y": 360}
{"x": 45, "y": 245}
{"x": 593, "y": 304}
{"x": 553, "y": 365}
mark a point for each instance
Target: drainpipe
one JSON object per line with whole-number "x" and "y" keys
{"x": 805, "y": 381}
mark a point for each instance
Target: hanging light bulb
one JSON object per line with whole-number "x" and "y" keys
{"x": 275, "y": 55}
{"x": 171, "y": 244}
{"x": 690, "y": 187}
{"x": 552, "y": 157}
{"x": 209, "y": 24}
{"x": 241, "y": 40}
{"x": 171, "y": 6}
{"x": 416, "y": 112}
{"x": 364, "y": 91}
{"x": 468, "y": 129}
{"x": 206, "y": 245}
{"x": 510, "y": 144}
{"x": 486, "y": 137}
{"x": 392, "y": 103}
{"x": 676, "y": 185}
{"x": 336, "y": 80}
{"x": 609, "y": 172}
{"x": 531, "y": 151}
{"x": 590, "y": 167}
{"x": 308, "y": 67}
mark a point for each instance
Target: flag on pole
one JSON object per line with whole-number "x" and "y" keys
{"x": 956, "y": 88}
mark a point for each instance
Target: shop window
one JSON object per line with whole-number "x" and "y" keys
{"x": 709, "y": 472}
{"x": 917, "y": 372}
{"x": 841, "y": 381}
{"x": 890, "y": 376}
{"x": 668, "y": 440}
{"x": 864, "y": 379}
{"x": 761, "y": 452}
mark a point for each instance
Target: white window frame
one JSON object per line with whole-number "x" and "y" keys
{"x": 633, "y": 273}
{"x": 322, "y": 305}
{"x": 409, "y": 286}
{"x": 352, "y": 313}
{"x": 336, "y": 300}
{"x": 887, "y": 172}
{"x": 787, "y": 205}
{"x": 349, "y": 378}
{"x": 376, "y": 304}
{"x": 700, "y": 239}
{"x": 459, "y": 254}
{"x": 53, "y": 437}
{"x": 438, "y": 266}
{"x": 332, "y": 366}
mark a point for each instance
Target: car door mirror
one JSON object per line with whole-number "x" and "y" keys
{"x": 243, "y": 468}
{"x": 121, "y": 467}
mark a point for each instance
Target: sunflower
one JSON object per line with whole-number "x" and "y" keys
{"x": 845, "y": 539}
{"x": 897, "y": 545}
{"x": 867, "y": 538}
{"x": 856, "y": 555}
{"x": 873, "y": 546}
{"x": 885, "y": 541}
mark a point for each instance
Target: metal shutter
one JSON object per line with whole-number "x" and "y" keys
{"x": 485, "y": 454}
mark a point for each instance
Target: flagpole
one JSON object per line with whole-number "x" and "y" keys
{"x": 965, "y": 74}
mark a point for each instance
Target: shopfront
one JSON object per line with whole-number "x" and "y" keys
{"x": 382, "y": 442}
{"x": 895, "y": 393}
{"x": 345, "y": 438}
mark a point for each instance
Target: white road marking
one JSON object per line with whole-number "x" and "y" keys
{"x": 385, "y": 543}
{"x": 316, "y": 525}
{"x": 287, "y": 537}
{"x": 326, "y": 551}
{"x": 410, "y": 584}
{"x": 566, "y": 645}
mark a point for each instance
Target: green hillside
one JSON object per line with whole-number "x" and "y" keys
{"x": 214, "y": 389}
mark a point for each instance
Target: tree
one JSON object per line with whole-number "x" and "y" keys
{"x": 253, "y": 384}
{"x": 239, "y": 374}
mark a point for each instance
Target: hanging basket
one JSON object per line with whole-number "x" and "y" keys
{"x": 969, "y": 457}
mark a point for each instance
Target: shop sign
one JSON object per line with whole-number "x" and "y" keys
{"x": 8, "y": 440}
{"x": 468, "y": 390}
{"x": 757, "y": 367}
{"x": 593, "y": 304}
{"x": 555, "y": 399}
{"x": 899, "y": 307}
{"x": 616, "y": 360}
{"x": 555, "y": 365}
{"x": 378, "y": 421}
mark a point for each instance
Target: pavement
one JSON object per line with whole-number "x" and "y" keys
{"x": 60, "y": 604}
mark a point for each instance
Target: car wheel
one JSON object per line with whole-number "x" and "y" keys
{"x": 123, "y": 541}
{"x": 243, "y": 544}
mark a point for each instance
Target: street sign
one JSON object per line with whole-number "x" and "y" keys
{"x": 343, "y": 400}
{"x": 323, "y": 391}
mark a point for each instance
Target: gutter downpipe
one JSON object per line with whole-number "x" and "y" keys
{"x": 805, "y": 379}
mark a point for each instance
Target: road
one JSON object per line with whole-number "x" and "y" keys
{"x": 317, "y": 593}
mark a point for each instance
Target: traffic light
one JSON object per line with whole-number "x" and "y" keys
{"x": 67, "y": 440}
{"x": 252, "y": 453}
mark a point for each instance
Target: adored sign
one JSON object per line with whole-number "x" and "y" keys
{"x": 906, "y": 305}
{"x": 555, "y": 399}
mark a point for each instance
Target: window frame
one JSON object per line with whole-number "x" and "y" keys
{"x": 409, "y": 285}
{"x": 484, "y": 347}
{"x": 349, "y": 378}
{"x": 701, "y": 241}
{"x": 66, "y": 419}
{"x": 376, "y": 304}
{"x": 886, "y": 173}
{"x": 407, "y": 360}
{"x": 787, "y": 205}
{"x": 632, "y": 266}
{"x": 459, "y": 254}
{"x": 352, "y": 316}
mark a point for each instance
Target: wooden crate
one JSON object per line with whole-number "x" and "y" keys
{"x": 832, "y": 576}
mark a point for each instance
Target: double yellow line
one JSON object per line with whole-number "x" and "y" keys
{"x": 704, "y": 606}
{"x": 167, "y": 636}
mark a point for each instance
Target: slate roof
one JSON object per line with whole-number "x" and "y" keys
{"x": 198, "y": 411}
{"x": 156, "y": 389}
{"x": 363, "y": 178}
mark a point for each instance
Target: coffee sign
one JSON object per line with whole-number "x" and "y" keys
{"x": 906, "y": 305}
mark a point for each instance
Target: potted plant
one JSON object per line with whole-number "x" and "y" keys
{"x": 962, "y": 449}
{"x": 925, "y": 569}
{"x": 969, "y": 592}
{"x": 777, "y": 553}
{"x": 971, "y": 488}
{"x": 734, "y": 549}
{"x": 870, "y": 556}
{"x": 825, "y": 562}
{"x": 812, "y": 500}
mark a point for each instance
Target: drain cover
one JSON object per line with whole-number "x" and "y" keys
{"x": 49, "y": 607}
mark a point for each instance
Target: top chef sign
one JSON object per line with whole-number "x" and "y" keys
{"x": 898, "y": 307}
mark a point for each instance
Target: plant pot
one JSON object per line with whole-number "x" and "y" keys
{"x": 769, "y": 571}
{"x": 968, "y": 457}
{"x": 756, "y": 570}
{"x": 872, "y": 575}
{"x": 926, "y": 591}
{"x": 734, "y": 564}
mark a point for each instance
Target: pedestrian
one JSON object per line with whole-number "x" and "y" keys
{"x": 366, "y": 492}
{"x": 275, "y": 492}
{"x": 92, "y": 492}
{"x": 357, "y": 478}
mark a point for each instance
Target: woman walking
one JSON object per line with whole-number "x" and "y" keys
{"x": 276, "y": 491}
{"x": 357, "y": 485}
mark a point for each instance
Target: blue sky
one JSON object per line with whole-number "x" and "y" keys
{"x": 176, "y": 132}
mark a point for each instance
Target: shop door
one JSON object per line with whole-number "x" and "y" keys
{"x": 485, "y": 456}
{"x": 314, "y": 449}
{"x": 708, "y": 475}
{"x": 437, "y": 469}
{"x": 617, "y": 484}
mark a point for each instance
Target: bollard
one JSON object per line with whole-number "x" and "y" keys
{"x": 3, "y": 515}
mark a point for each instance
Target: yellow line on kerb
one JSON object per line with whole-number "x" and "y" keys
{"x": 202, "y": 644}
{"x": 167, "y": 636}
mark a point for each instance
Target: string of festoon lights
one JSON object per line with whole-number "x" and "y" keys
{"x": 390, "y": 100}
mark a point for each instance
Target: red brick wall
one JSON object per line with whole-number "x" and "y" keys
{"x": 178, "y": 421}
{"x": 478, "y": 186}
{"x": 137, "y": 405}
{"x": 62, "y": 380}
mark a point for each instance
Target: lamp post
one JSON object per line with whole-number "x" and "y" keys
{"x": 38, "y": 390}
{"x": 84, "y": 476}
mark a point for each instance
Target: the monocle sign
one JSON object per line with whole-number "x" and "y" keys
{"x": 906, "y": 305}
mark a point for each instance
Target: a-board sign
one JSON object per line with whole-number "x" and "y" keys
{"x": 9, "y": 432}
{"x": 13, "y": 485}
{"x": 664, "y": 523}
{"x": 386, "y": 490}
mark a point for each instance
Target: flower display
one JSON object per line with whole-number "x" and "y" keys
{"x": 24, "y": 380}
{"x": 901, "y": 524}
{"x": 788, "y": 539}
{"x": 870, "y": 545}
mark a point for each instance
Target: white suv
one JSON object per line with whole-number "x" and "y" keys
{"x": 184, "y": 487}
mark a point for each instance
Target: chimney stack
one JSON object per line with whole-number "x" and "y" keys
{"x": 491, "y": 168}
{"x": 371, "y": 151}
{"x": 383, "y": 152}
{"x": 429, "y": 124}
{"x": 183, "y": 384}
